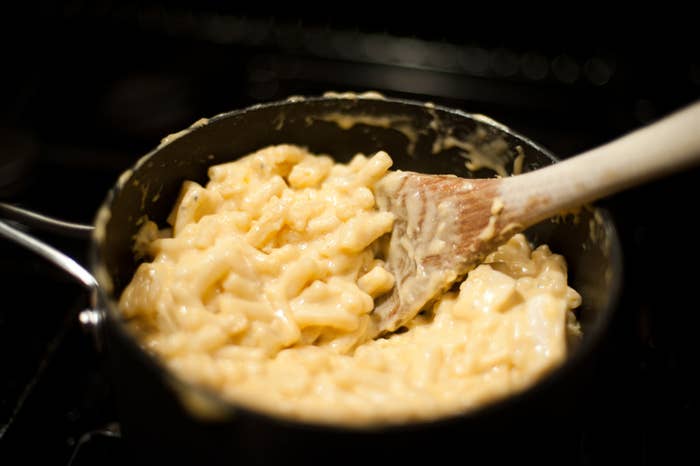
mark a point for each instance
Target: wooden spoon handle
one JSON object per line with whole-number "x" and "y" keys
{"x": 663, "y": 147}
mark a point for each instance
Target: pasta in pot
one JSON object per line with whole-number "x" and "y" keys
{"x": 263, "y": 288}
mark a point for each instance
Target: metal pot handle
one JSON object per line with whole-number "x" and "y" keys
{"x": 45, "y": 223}
{"x": 90, "y": 318}
{"x": 49, "y": 253}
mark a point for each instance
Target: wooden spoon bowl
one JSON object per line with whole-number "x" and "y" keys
{"x": 445, "y": 225}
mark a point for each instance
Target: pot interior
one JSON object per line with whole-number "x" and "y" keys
{"x": 417, "y": 136}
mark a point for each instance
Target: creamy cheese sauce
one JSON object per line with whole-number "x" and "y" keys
{"x": 263, "y": 286}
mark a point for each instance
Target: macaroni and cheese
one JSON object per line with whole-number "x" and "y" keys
{"x": 264, "y": 284}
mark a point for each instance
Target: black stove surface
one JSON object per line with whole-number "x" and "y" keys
{"x": 99, "y": 84}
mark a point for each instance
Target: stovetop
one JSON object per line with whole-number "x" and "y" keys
{"x": 101, "y": 84}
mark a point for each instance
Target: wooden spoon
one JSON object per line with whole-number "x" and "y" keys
{"x": 445, "y": 225}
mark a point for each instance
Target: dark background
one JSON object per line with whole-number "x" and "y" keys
{"x": 88, "y": 87}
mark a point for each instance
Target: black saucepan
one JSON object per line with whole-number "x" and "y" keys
{"x": 165, "y": 418}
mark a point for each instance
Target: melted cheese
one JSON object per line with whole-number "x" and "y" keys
{"x": 263, "y": 291}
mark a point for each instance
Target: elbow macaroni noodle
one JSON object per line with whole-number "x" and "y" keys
{"x": 263, "y": 287}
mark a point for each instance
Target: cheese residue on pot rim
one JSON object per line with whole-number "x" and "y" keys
{"x": 263, "y": 291}
{"x": 172, "y": 137}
